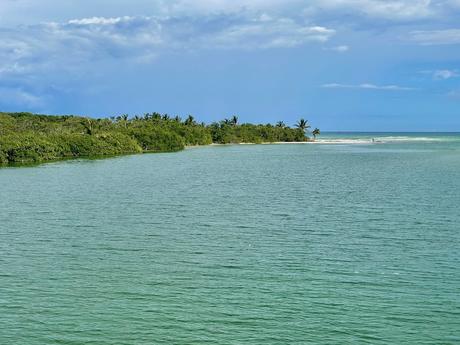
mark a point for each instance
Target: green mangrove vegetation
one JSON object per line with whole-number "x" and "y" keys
{"x": 30, "y": 138}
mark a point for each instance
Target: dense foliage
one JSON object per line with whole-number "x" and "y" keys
{"x": 29, "y": 138}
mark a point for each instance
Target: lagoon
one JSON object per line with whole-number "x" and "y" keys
{"x": 346, "y": 242}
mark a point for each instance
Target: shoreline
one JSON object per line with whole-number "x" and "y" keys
{"x": 235, "y": 144}
{"x": 102, "y": 157}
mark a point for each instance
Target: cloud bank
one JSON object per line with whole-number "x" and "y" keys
{"x": 389, "y": 10}
{"x": 436, "y": 37}
{"x": 442, "y": 74}
{"x": 144, "y": 38}
{"x": 52, "y": 49}
{"x": 367, "y": 86}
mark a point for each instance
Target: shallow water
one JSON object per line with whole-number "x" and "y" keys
{"x": 269, "y": 244}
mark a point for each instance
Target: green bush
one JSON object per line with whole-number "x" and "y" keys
{"x": 157, "y": 139}
{"x": 26, "y": 148}
{"x": 28, "y": 138}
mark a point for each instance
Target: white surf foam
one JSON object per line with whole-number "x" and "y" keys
{"x": 377, "y": 140}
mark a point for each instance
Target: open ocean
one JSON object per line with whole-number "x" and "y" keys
{"x": 354, "y": 240}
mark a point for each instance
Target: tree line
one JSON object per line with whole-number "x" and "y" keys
{"x": 31, "y": 138}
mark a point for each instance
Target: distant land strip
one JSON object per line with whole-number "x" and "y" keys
{"x": 27, "y": 138}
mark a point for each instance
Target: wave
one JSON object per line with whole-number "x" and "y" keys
{"x": 406, "y": 138}
{"x": 343, "y": 141}
{"x": 379, "y": 140}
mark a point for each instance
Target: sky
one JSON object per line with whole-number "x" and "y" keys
{"x": 348, "y": 65}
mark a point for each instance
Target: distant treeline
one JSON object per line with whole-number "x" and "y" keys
{"x": 29, "y": 138}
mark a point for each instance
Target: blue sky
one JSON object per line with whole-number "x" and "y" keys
{"x": 342, "y": 64}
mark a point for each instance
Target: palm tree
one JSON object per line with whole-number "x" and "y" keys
{"x": 226, "y": 121}
{"x": 234, "y": 120}
{"x": 177, "y": 119}
{"x": 89, "y": 126}
{"x": 190, "y": 120}
{"x": 280, "y": 124}
{"x": 315, "y": 132}
{"x": 303, "y": 125}
{"x": 123, "y": 119}
{"x": 215, "y": 125}
{"x": 166, "y": 117}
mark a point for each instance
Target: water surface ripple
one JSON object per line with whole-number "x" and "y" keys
{"x": 270, "y": 244}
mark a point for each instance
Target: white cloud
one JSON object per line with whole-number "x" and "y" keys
{"x": 99, "y": 21}
{"x": 436, "y": 37}
{"x": 367, "y": 86}
{"x": 144, "y": 38}
{"x": 442, "y": 74}
{"x": 393, "y": 10}
{"x": 60, "y": 55}
{"x": 54, "y": 46}
{"x": 445, "y": 74}
{"x": 13, "y": 69}
{"x": 174, "y": 7}
{"x": 19, "y": 97}
{"x": 33, "y": 11}
{"x": 277, "y": 33}
{"x": 339, "y": 49}
{"x": 454, "y": 3}
{"x": 349, "y": 10}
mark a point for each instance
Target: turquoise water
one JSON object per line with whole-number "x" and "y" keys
{"x": 342, "y": 243}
